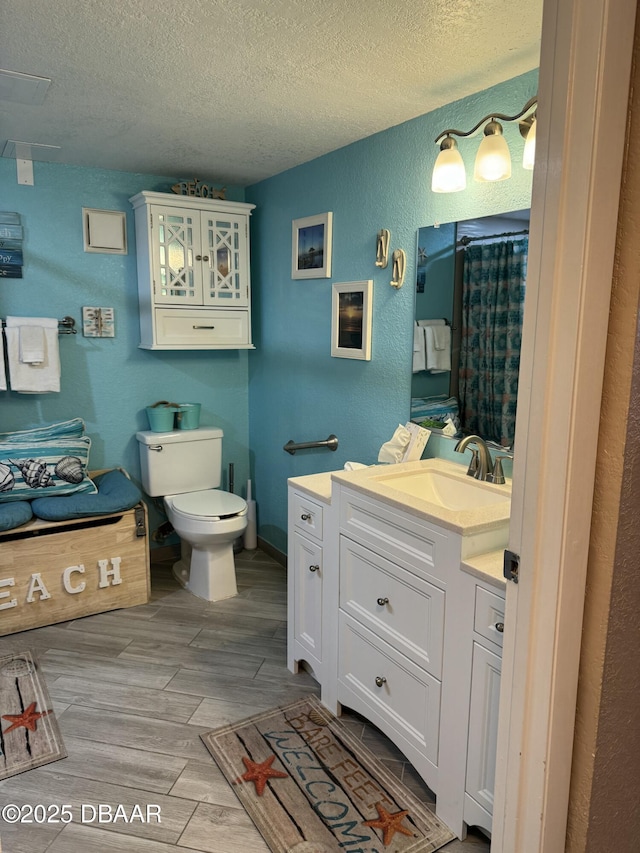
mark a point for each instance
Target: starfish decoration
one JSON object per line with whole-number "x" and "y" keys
{"x": 27, "y": 719}
{"x": 260, "y": 773}
{"x": 388, "y": 823}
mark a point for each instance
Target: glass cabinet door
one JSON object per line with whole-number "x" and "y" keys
{"x": 178, "y": 263}
{"x": 226, "y": 279}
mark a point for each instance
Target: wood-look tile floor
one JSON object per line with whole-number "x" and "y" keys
{"x": 133, "y": 689}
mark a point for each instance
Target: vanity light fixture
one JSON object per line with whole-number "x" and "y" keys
{"x": 493, "y": 160}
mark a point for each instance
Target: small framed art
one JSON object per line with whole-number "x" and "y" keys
{"x": 311, "y": 246}
{"x": 351, "y": 312}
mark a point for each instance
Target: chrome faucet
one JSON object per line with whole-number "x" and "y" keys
{"x": 481, "y": 465}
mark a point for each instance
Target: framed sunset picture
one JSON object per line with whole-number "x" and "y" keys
{"x": 351, "y": 313}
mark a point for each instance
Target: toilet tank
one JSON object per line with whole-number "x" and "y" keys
{"x": 173, "y": 463}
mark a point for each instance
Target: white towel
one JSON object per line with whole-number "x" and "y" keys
{"x": 33, "y": 378}
{"x": 441, "y": 337}
{"x": 3, "y": 370}
{"x": 438, "y": 360}
{"x": 31, "y": 347}
{"x": 420, "y": 343}
{"x": 419, "y": 350}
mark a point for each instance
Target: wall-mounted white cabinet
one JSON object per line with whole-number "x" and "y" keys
{"x": 194, "y": 286}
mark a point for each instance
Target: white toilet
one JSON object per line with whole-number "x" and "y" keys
{"x": 185, "y": 467}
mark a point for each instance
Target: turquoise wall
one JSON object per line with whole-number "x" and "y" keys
{"x": 296, "y": 389}
{"x": 107, "y": 381}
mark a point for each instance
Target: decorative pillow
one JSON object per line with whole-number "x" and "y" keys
{"x": 37, "y": 469}
{"x": 116, "y": 493}
{"x": 14, "y": 514}
{"x": 65, "y": 429}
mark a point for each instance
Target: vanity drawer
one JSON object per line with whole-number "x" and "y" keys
{"x": 307, "y": 515}
{"x": 489, "y": 615}
{"x": 385, "y": 682}
{"x": 399, "y": 536}
{"x": 201, "y": 327}
{"x": 397, "y": 605}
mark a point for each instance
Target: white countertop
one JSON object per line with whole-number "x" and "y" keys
{"x": 315, "y": 485}
{"x": 487, "y": 567}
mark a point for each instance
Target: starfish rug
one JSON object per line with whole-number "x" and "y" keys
{"x": 29, "y": 733}
{"x": 310, "y": 786}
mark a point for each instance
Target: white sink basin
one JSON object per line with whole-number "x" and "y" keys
{"x": 448, "y": 490}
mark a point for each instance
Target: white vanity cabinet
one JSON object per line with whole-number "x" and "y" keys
{"x": 484, "y": 699}
{"x": 305, "y": 580}
{"x": 398, "y": 605}
{"x": 194, "y": 288}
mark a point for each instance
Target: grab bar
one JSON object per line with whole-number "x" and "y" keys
{"x": 331, "y": 443}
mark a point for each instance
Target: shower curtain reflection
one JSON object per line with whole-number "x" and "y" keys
{"x": 494, "y": 277}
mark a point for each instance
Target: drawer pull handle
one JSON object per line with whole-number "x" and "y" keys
{"x": 204, "y": 327}
{"x": 383, "y": 601}
{"x": 380, "y": 680}
{"x": 305, "y": 516}
{"x": 500, "y": 627}
{"x": 314, "y": 568}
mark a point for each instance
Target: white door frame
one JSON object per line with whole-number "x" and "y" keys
{"x": 583, "y": 92}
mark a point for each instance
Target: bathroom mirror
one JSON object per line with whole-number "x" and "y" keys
{"x": 470, "y": 278}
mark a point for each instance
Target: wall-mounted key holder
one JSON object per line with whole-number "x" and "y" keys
{"x": 98, "y": 323}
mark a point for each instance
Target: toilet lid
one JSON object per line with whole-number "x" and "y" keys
{"x": 211, "y": 503}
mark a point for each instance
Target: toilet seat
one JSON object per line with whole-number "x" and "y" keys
{"x": 212, "y": 504}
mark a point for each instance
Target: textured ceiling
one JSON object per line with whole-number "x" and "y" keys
{"x": 233, "y": 91}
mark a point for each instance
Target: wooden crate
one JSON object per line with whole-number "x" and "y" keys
{"x": 55, "y": 571}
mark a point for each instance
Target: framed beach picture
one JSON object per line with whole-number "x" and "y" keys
{"x": 351, "y": 312}
{"x": 311, "y": 246}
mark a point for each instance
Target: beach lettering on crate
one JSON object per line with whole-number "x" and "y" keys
{"x": 108, "y": 574}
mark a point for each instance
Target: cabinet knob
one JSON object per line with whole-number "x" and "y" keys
{"x": 380, "y": 680}
{"x": 198, "y": 257}
{"x": 305, "y": 516}
{"x": 500, "y": 627}
{"x": 205, "y": 257}
{"x": 383, "y": 601}
{"x": 314, "y": 568}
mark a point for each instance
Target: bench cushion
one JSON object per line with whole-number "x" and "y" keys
{"x": 116, "y": 493}
{"x": 14, "y": 514}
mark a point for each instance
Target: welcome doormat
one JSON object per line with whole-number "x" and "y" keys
{"x": 310, "y": 786}
{"x": 29, "y": 733}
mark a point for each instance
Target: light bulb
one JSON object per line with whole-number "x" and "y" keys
{"x": 493, "y": 160}
{"x": 529, "y": 156}
{"x": 449, "y": 175}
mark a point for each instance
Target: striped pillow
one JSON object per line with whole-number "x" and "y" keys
{"x": 64, "y": 429}
{"x": 38, "y": 469}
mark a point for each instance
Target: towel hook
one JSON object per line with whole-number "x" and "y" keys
{"x": 382, "y": 248}
{"x": 399, "y": 266}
